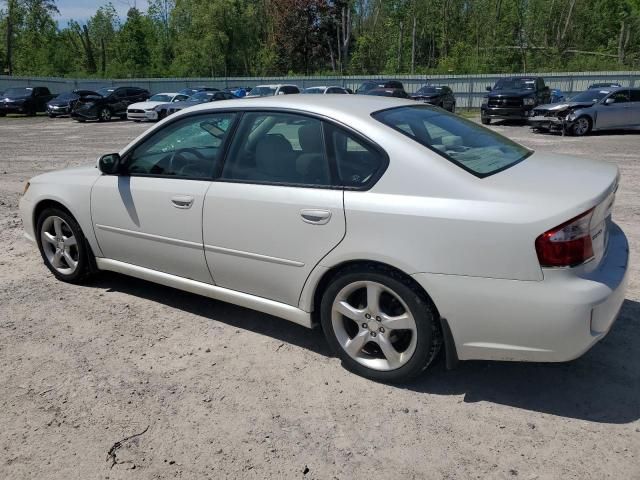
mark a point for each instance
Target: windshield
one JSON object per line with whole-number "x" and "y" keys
{"x": 161, "y": 97}
{"x": 18, "y": 92}
{"x": 105, "y": 92}
{"x": 472, "y": 147}
{"x": 263, "y": 91}
{"x": 67, "y": 96}
{"x": 200, "y": 97}
{"x": 314, "y": 90}
{"x": 515, "y": 84}
{"x": 428, "y": 89}
{"x": 592, "y": 96}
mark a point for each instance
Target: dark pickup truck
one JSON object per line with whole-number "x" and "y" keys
{"x": 27, "y": 100}
{"x": 514, "y": 98}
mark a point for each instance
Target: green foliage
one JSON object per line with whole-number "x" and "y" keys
{"x": 278, "y": 37}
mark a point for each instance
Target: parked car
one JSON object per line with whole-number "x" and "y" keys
{"x": 556, "y": 96}
{"x": 603, "y": 109}
{"x": 388, "y": 92}
{"x": 271, "y": 90}
{"x": 147, "y": 110}
{"x": 438, "y": 95}
{"x": 26, "y": 100}
{"x": 365, "y": 87}
{"x": 165, "y": 109}
{"x": 191, "y": 90}
{"x": 513, "y": 98}
{"x": 325, "y": 208}
{"x": 107, "y": 103}
{"x": 239, "y": 92}
{"x": 63, "y": 104}
{"x": 605, "y": 85}
{"x": 324, "y": 90}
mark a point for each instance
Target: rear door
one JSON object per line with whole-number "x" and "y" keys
{"x": 275, "y": 212}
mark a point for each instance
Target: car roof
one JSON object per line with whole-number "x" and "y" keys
{"x": 168, "y": 93}
{"x": 333, "y": 106}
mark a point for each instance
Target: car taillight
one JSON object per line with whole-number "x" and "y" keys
{"x": 568, "y": 244}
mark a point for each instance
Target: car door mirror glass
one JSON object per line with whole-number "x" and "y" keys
{"x": 609, "y": 101}
{"x": 109, "y": 164}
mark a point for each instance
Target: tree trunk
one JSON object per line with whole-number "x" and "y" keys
{"x": 624, "y": 31}
{"x": 103, "y": 57}
{"x": 413, "y": 46}
{"x": 10, "y": 17}
{"x": 88, "y": 48}
{"x": 346, "y": 35}
{"x": 400, "y": 32}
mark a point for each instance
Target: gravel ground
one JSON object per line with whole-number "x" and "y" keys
{"x": 216, "y": 391}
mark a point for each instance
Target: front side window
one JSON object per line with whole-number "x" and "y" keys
{"x": 621, "y": 96}
{"x": 635, "y": 95}
{"x": 188, "y": 148}
{"x": 280, "y": 148}
{"x": 476, "y": 149}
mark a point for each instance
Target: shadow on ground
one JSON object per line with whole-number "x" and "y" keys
{"x": 602, "y": 386}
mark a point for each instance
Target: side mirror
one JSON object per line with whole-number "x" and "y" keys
{"x": 280, "y": 92}
{"x": 488, "y": 88}
{"x": 109, "y": 164}
{"x": 609, "y": 101}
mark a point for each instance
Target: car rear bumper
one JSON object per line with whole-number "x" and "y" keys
{"x": 554, "y": 320}
{"x": 505, "y": 113}
{"x": 26, "y": 211}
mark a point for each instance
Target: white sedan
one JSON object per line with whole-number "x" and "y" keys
{"x": 146, "y": 110}
{"x": 398, "y": 227}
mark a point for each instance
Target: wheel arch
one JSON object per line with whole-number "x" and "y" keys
{"x": 45, "y": 203}
{"x": 450, "y": 351}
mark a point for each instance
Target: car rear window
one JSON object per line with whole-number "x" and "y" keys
{"x": 468, "y": 145}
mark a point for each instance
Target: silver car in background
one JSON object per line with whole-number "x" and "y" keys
{"x": 594, "y": 109}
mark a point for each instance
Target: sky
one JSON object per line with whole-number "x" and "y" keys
{"x": 81, "y": 10}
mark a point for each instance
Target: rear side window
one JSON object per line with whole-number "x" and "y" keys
{"x": 357, "y": 162}
{"x": 278, "y": 148}
{"x": 476, "y": 149}
{"x": 635, "y": 95}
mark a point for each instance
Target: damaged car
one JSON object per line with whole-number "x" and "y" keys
{"x": 603, "y": 109}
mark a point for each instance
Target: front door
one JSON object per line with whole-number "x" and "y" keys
{"x": 276, "y": 210}
{"x": 616, "y": 114}
{"x": 151, "y": 214}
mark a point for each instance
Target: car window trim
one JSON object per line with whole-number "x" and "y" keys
{"x": 127, "y": 155}
{"x": 333, "y": 167}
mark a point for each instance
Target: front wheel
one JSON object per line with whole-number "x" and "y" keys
{"x": 582, "y": 126}
{"x": 104, "y": 115}
{"x": 453, "y": 108}
{"x": 485, "y": 120}
{"x": 62, "y": 246}
{"x": 380, "y": 325}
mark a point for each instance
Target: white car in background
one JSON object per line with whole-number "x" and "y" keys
{"x": 397, "y": 226}
{"x": 323, "y": 90}
{"x": 146, "y": 110}
{"x": 272, "y": 90}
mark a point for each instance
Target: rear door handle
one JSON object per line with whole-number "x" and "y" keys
{"x": 182, "y": 201}
{"x": 315, "y": 216}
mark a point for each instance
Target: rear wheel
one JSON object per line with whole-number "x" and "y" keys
{"x": 453, "y": 108}
{"x": 485, "y": 120}
{"x": 104, "y": 115}
{"x": 582, "y": 126}
{"x": 379, "y": 325}
{"x": 62, "y": 246}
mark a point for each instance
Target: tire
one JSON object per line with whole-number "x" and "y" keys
{"x": 51, "y": 115}
{"x": 3, "y": 114}
{"x": 485, "y": 120}
{"x": 379, "y": 351}
{"x": 61, "y": 243}
{"x": 81, "y": 120}
{"x": 104, "y": 115}
{"x": 582, "y": 126}
{"x": 453, "y": 108}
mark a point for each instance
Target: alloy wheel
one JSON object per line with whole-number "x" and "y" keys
{"x": 581, "y": 126}
{"x": 374, "y": 326}
{"x": 59, "y": 245}
{"x": 105, "y": 114}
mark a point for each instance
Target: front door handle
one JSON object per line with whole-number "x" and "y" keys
{"x": 182, "y": 201}
{"x": 315, "y": 216}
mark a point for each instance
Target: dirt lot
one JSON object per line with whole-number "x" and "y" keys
{"x": 224, "y": 392}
